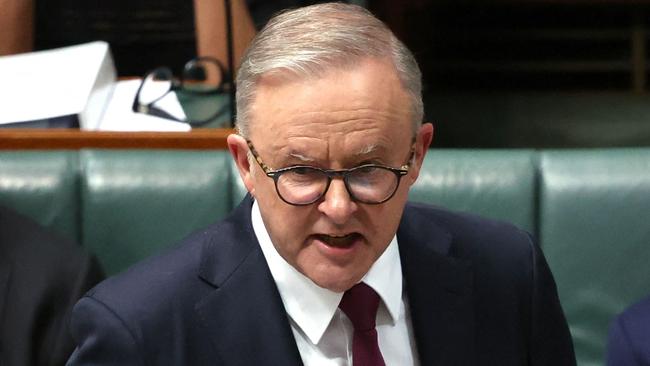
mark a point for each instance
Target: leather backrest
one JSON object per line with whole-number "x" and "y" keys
{"x": 43, "y": 185}
{"x": 500, "y": 184}
{"x": 588, "y": 207}
{"x": 595, "y": 230}
{"x": 136, "y": 203}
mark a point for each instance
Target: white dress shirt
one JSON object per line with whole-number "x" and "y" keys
{"x": 322, "y": 331}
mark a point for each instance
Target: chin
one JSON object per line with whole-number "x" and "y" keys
{"x": 336, "y": 283}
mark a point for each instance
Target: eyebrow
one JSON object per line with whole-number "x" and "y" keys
{"x": 366, "y": 150}
{"x": 301, "y": 157}
{"x": 369, "y": 149}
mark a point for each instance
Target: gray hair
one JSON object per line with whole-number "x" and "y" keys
{"x": 311, "y": 40}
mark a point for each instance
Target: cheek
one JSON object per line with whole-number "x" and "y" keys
{"x": 288, "y": 226}
{"x": 290, "y": 223}
{"x": 261, "y": 185}
{"x": 388, "y": 219}
{"x": 401, "y": 196}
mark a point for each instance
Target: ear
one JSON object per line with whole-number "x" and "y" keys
{"x": 239, "y": 151}
{"x": 422, "y": 142}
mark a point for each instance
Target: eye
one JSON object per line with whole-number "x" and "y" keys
{"x": 365, "y": 169}
{"x": 303, "y": 173}
{"x": 302, "y": 170}
{"x": 301, "y": 177}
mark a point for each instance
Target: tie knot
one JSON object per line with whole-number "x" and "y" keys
{"x": 360, "y": 304}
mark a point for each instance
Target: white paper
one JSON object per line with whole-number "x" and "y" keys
{"x": 54, "y": 83}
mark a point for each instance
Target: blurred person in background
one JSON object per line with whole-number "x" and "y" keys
{"x": 628, "y": 343}
{"x": 41, "y": 277}
{"x": 142, "y": 35}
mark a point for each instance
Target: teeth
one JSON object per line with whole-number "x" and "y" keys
{"x": 338, "y": 241}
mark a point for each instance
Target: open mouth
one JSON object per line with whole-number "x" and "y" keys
{"x": 343, "y": 241}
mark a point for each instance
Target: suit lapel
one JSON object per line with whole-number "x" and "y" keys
{"x": 247, "y": 324}
{"x": 244, "y": 316}
{"x": 440, "y": 293}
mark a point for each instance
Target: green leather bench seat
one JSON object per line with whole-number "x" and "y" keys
{"x": 494, "y": 183}
{"x": 44, "y": 186}
{"x": 589, "y": 209}
{"x": 595, "y": 231}
{"x": 137, "y": 202}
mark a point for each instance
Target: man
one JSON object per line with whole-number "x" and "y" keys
{"x": 322, "y": 264}
{"x": 41, "y": 278}
{"x": 628, "y": 342}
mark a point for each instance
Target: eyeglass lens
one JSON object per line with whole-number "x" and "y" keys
{"x": 194, "y": 99}
{"x": 202, "y": 75}
{"x": 202, "y": 80}
{"x": 366, "y": 184}
{"x": 155, "y": 86}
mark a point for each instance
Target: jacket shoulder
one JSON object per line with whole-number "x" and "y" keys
{"x": 470, "y": 234}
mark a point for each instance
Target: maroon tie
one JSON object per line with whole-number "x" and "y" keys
{"x": 360, "y": 304}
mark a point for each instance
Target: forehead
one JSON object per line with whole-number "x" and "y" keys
{"x": 363, "y": 105}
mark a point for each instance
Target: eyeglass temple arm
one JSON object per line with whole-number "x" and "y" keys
{"x": 259, "y": 161}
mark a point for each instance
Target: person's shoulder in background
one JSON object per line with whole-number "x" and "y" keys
{"x": 42, "y": 275}
{"x": 629, "y": 336}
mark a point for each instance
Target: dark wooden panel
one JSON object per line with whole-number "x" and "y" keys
{"x": 531, "y": 45}
{"x": 38, "y": 139}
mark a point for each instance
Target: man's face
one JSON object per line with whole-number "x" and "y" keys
{"x": 340, "y": 120}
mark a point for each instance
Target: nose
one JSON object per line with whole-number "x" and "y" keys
{"x": 337, "y": 203}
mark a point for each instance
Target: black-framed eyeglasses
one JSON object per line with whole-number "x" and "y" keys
{"x": 201, "y": 79}
{"x": 302, "y": 185}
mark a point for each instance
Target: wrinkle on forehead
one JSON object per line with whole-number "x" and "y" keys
{"x": 301, "y": 157}
{"x": 320, "y": 128}
{"x": 345, "y": 149}
{"x": 300, "y": 101}
{"x": 334, "y": 117}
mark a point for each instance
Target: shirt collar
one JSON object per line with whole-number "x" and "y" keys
{"x": 312, "y": 307}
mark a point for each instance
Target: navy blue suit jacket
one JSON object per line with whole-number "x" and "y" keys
{"x": 479, "y": 291}
{"x": 629, "y": 337}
